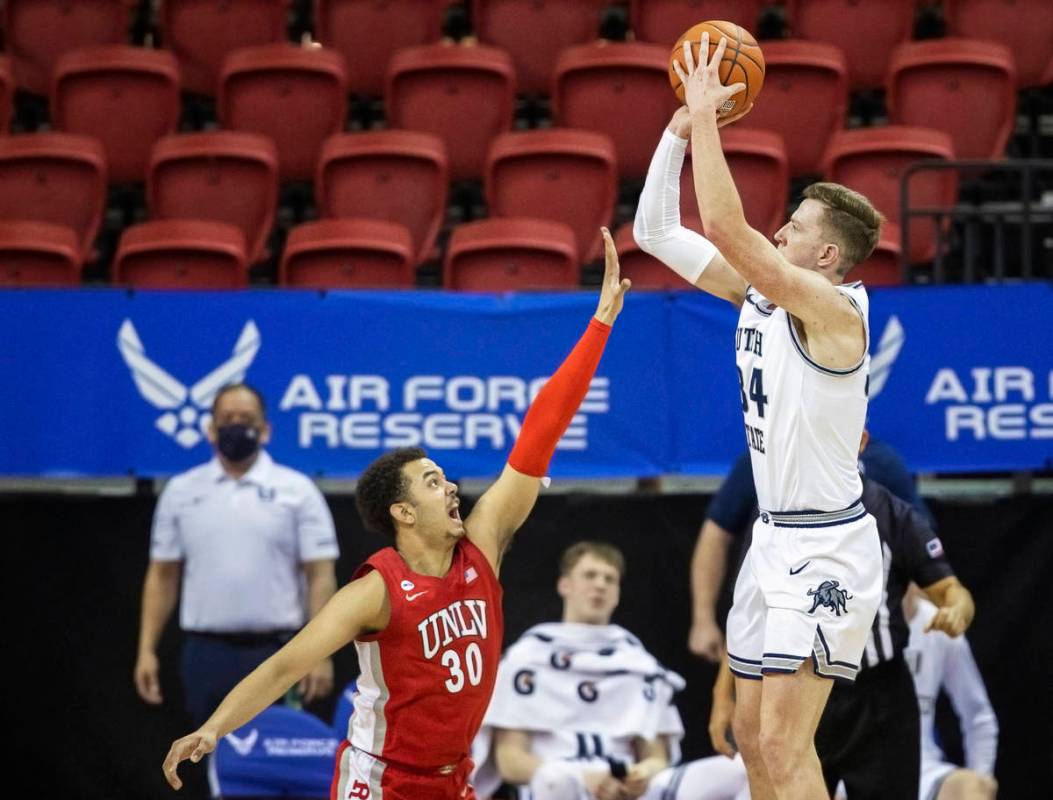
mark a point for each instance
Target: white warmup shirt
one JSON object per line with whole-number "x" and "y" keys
{"x": 242, "y": 543}
{"x": 938, "y": 661}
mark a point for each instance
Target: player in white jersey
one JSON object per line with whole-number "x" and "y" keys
{"x": 937, "y": 662}
{"x": 810, "y": 586}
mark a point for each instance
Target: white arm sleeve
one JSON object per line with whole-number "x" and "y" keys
{"x": 657, "y": 227}
{"x": 965, "y": 687}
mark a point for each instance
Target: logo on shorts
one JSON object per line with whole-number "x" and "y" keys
{"x": 186, "y": 409}
{"x": 829, "y": 596}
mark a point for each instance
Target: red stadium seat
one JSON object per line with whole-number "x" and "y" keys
{"x": 224, "y": 176}
{"x": 7, "y": 94}
{"x": 883, "y": 267}
{"x": 804, "y": 99}
{"x": 664, "y": 21}
{"x": 38, "y": 32}
{"x": 463, "y": 95}
{"x": 498, "y": 255}
{"x": 564, "y": 175}
{"x": 126, "y": 97}
{"x": 962, "y": 86}
{"x": 54, "y": 177}
{"x": 38, "y": 254}
{"x": 1025, "y": 26}
{"x": 621, "y": 89}
{"x": 758, "y": 163}
{"x": 295, "y": 95}
{"x": 348, "y": 254}
{"x": 368, "y": 33}
{"x": 399, "y": 176}
{"x": 201, "y": 33}
{"x": 181, "y": 254}
{"x": 873, "y": 160}
{"x": 866, "y": 31}
{"x": 643, "y": 269}
{"x": 536, "y": 33}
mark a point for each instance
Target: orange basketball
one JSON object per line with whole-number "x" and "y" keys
{"x": 743, "y": 61}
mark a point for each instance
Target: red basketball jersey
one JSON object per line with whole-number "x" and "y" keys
{"x": 428, "y": 676}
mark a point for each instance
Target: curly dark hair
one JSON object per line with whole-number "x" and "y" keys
{"x": 382, "y": 484}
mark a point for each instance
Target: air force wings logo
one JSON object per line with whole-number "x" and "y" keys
{"x": 243, "y": 745}
{"x": 186, "y": 410}
{"x": 888, "y": 348}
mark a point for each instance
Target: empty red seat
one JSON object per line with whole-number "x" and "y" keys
{"x": 54, "y": 177}
{"x": 621, "y": 89}
{"x": 463, "y": 95}
{"x": 962, "y": 86}
{"x": 873, "y": 161}
{"x": 7, "y": 93}
{"x": 181, "y": 254}
{"x": 643, "y": 269}
{"x": 348, "y": 254}
{"x": 560, "y": 174}
{"x": 804, "y": 99}
{"x": 201, "y": 33}
{"x": 866, "y": 31}
{"x": 1025, "y": 26}
{"x": 297, "y": 96}
{"x": 536, "y": 33}
{"x": 368, "y": 33}
{"x": 883, "y": 268}
{"x": 758, "y": 163}
{"x": 38, "y": 254}
{"x": 224, "y": 176}
{"x": 399, "y": 176}
{"x": 498, "y": 255}
{"x": 38, "y": 32}
{"x": 126, "y": 97}
{"x": 664, "y": 21}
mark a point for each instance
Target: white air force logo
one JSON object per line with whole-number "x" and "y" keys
{"x": 186, "y": 414}
{"x": 243, "y": 745}
{"x": 882, "y": 359}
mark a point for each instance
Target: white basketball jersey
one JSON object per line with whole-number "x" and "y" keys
{"x": 804, "y": 421}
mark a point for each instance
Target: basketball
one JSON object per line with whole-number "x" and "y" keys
{"x": 743, "y": 61}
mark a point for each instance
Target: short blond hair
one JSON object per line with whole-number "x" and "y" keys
{"x": 850, "y": 220}
{"x": 601, "y": 550}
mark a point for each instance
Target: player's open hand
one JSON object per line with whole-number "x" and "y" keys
{"x": 194, "y": 747}
{"x": 612, "y": 292}
{"x": 720, "y": 715}
{"x": 703, "y": 90}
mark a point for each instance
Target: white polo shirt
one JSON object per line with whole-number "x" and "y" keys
{"x": 242, "y": 543}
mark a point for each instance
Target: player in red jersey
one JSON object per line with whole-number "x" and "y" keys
{"x": 425, "y": 615}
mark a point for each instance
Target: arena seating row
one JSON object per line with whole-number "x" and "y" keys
{"x": 367, "y": 33}
{"x": 385, "y": 193}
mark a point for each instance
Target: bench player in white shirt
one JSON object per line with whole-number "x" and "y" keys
{"x": 810, "y": 585}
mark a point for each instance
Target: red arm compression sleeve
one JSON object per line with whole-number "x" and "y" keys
{"x": 557, "y": 402}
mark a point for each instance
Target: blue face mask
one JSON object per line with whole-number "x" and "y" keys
{"x": 237, "y": 442}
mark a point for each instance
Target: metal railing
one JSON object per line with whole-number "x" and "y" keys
{"x": 1024, "y": 212}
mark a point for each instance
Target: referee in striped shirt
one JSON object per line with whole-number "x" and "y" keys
{"x": 869, "y": 734}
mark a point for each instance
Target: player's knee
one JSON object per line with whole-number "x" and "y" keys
{"x": 964, "y": 784}
{"x": 780, "y": 751}
{"x": 556, "y": 781}
{"x": 746, "y": 732}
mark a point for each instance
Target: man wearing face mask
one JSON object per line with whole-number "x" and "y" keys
{"x": 251, "y": 545}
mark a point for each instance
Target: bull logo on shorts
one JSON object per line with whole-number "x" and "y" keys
{"x": 829, "y": 596}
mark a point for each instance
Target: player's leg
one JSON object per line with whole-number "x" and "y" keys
{"x": 713, "y": 778}
{"x": 965, "y": 784}
{"x": 745, "y": 636}
{"x": 791, "y": 705}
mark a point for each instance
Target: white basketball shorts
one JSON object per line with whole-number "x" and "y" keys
{"x": 809, "y": 588}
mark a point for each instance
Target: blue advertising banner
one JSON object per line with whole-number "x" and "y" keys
{"x": 107, "y": 382}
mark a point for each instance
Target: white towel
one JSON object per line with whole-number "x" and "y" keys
{"x": 569, "y": 676}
